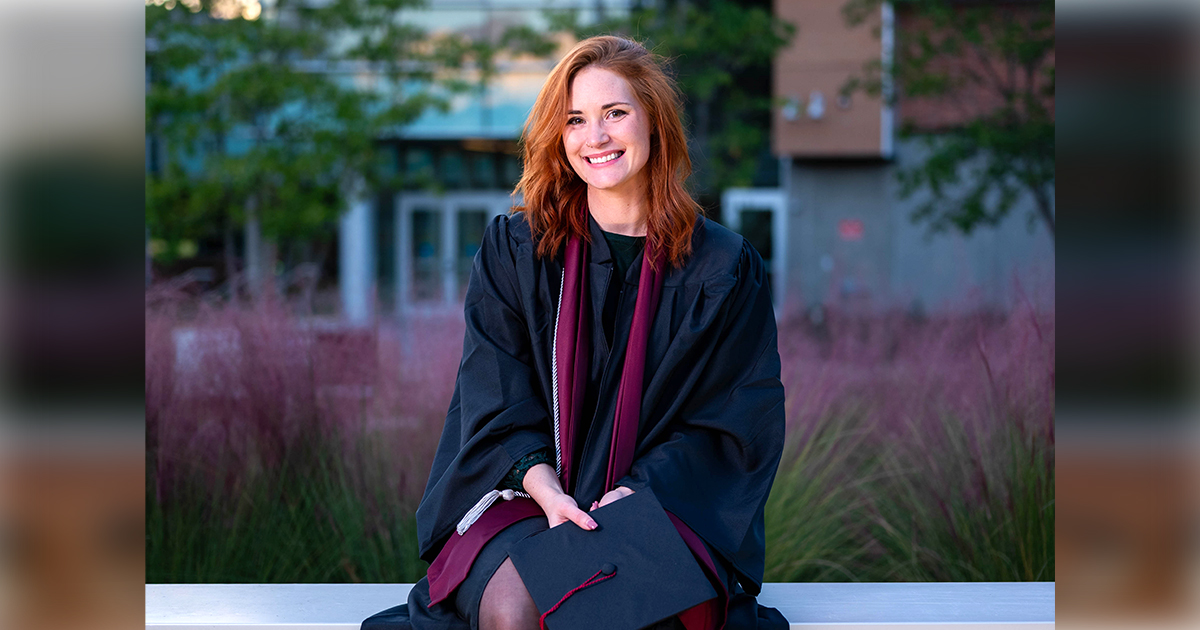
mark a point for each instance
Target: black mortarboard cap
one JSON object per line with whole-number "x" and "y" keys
{"x": 632, "y": 571}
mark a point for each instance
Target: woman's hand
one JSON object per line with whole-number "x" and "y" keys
{"x": 562, "y": 508}
{"x": 542, "y": 484}
{"x": 620, "y": 492}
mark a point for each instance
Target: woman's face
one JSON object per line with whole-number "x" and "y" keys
{"x": 607, "y": 132}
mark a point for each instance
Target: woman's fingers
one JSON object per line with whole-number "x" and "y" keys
{"x": 564, "y": 509}
{"x": 619, "y": 492}
{"x": 609, "y": 497}
{"x": 577, "y": 516}
{"x": 580, "y": 518}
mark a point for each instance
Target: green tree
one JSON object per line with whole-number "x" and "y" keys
{"x": 987, "y": 52}
{"x": 722, "y": 54}
{"x": 270, "y": 120}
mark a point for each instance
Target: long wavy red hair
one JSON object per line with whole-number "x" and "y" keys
{"x": 554, "y": 192}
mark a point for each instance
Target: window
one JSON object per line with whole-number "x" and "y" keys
{"x": 426, "y": 258}
{"x": 438, "y": 237}
{"x": 470, "y": 234}
{"x": 483, "y": 171}
{"x": 418, "y": 167}
{"x": 756, "y": 226}
{"x": 512, "y": 170}
{"x": 759, "y": 215}
{"x": 453, "y": 171}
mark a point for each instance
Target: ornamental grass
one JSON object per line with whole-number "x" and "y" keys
{"x": 287, "y": 448}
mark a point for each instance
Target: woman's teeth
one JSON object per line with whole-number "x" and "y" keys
{"x": 608, "y": 158}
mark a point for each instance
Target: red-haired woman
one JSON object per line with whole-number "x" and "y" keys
{"x": 616, "y": 341}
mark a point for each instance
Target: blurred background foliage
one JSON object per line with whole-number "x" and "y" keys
{"x": 917, "y": 450}
{"x": 997, "y": 67}
{"x": 272, "y": 119}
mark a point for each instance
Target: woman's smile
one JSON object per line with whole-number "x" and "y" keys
{"x": 604, "y": 159}
{"x": 606, "y": 135}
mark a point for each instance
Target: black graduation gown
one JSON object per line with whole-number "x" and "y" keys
{"x": 712, "y": 422}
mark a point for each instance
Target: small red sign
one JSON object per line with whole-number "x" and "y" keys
{"x": 850, "y": 229}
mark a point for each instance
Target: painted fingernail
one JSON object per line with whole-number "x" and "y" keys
{"x": 592, "y": 524}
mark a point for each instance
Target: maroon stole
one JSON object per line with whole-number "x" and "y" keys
{"x": 572, "y": 345}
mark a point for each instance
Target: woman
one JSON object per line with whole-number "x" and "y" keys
{"x": 606, "y": 302}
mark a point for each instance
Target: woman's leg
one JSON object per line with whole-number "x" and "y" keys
{"x": 506, "y": 604}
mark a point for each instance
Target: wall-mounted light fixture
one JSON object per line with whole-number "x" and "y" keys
{"x": 816, "y": 105}
{"x": 791, "y": 109}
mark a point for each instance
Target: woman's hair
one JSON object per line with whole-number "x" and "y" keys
{"x": 554, "y": 192}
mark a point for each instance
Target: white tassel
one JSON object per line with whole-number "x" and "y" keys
{"x": 484, "y": 503}
{"x": 488, "y": 499}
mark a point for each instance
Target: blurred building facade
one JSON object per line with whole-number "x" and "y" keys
{"x": 835, "y": 232}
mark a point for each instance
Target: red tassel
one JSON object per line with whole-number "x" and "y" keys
{"x": 586, "y": 583}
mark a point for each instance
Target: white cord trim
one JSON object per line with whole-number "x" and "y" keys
{"x": 486, "y": 502}
{"x": 554, "y": 377}
{"x": 488, "y": 499}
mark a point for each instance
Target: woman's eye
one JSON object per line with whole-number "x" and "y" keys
{"x": 618, "y": 113}
{"x": 574, "y": 121}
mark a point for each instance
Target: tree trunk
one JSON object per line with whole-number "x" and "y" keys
{"x": 231, "y": 270}
{"x": 1044, "y": 209}
{"x": 149, "y": 266}
{"x": 702, "y": 155}
{"x": 256, "y": 272}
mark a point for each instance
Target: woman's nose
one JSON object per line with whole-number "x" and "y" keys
{"x": 597, "y": 137}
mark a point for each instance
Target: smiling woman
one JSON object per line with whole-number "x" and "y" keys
{"x": 607, "y": 141}
{"x": 617, "y": 343}
{"x": 612, "y": 94}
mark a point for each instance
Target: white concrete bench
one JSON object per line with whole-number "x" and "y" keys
{"x": 844, "y": 606}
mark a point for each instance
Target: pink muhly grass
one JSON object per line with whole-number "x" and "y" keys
{"x": 921, "y": 421}
{"x": 234, "y": 391}
{"x": 903, "y": 431}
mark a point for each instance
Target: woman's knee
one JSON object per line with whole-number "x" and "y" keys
{"x": 506, "y": 604}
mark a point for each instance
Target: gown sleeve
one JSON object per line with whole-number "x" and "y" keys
{"x": 496, "y": 415}
{"x": 515, "y": 479}
{"x": 715, "y": 466}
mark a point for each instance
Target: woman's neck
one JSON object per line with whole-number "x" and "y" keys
{"x": 619, "y": 213}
